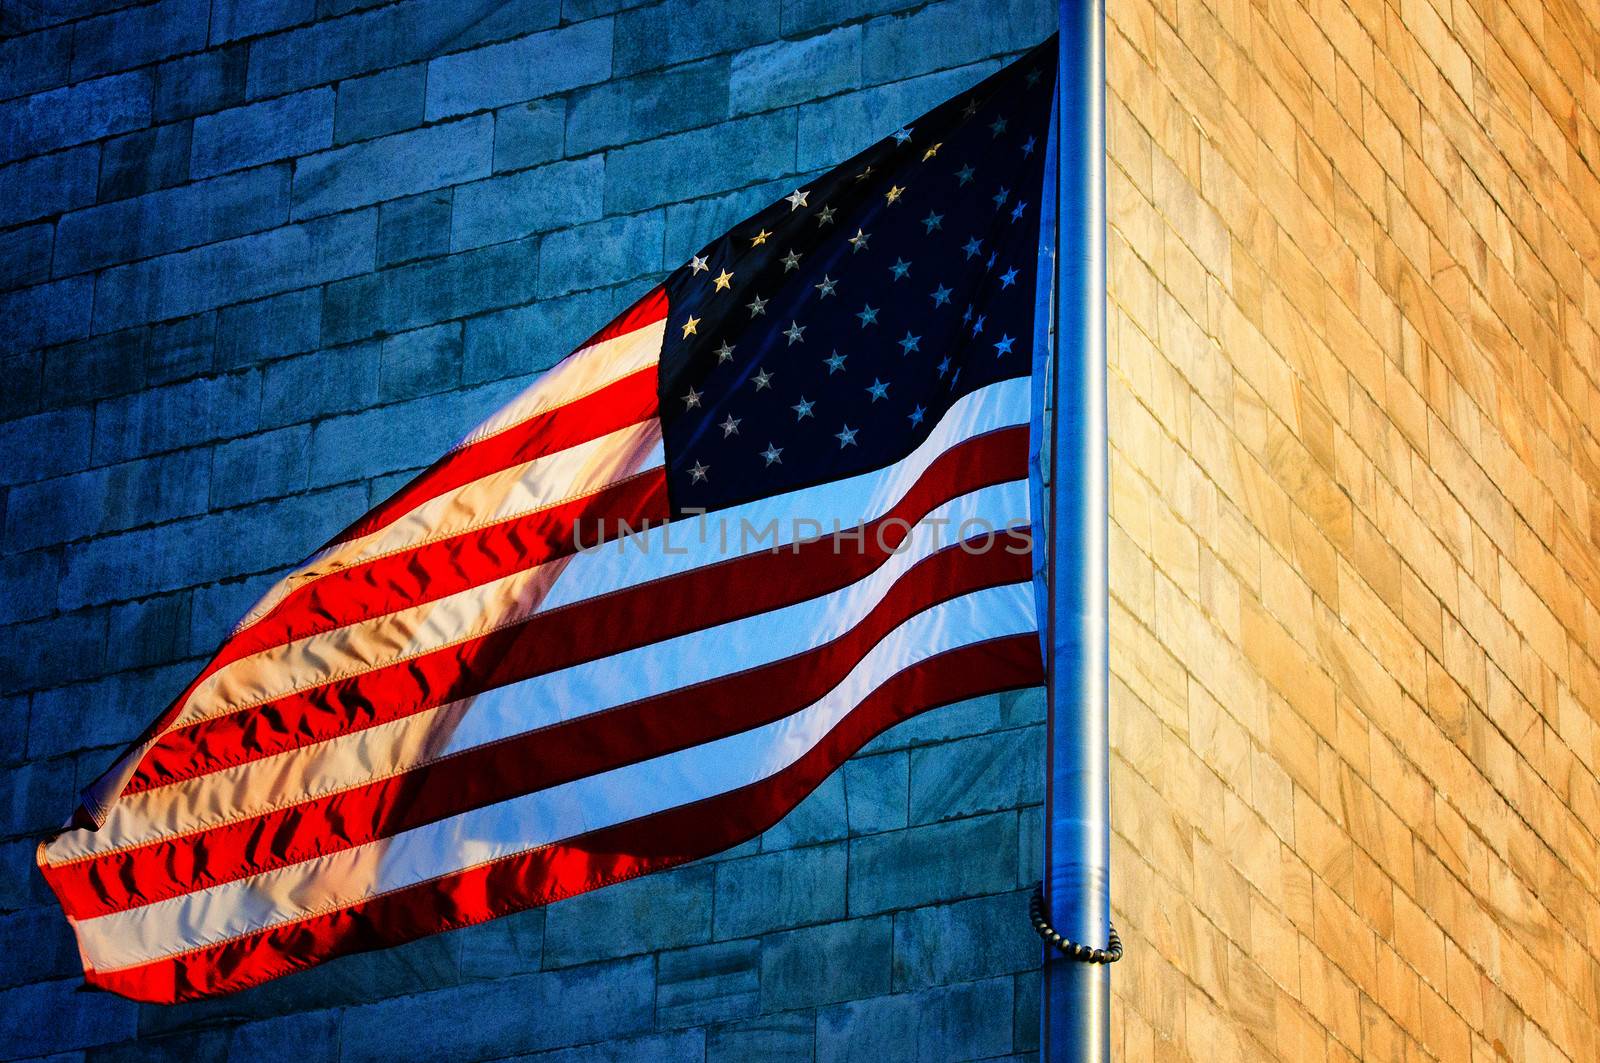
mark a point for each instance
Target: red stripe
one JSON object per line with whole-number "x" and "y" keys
{"x": 588, "y": 862}
{"x": 512, "y": 767}
{"x": 583, "y": 631}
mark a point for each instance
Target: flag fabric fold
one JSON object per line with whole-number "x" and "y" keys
{"x": 777, "y": 506}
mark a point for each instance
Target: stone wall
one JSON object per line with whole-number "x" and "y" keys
{"x": 261, "y": 259}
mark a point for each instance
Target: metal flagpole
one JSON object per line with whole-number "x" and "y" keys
{"x": 1075, "y": 1016}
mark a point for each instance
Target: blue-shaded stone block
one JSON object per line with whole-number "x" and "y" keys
{"x": 971, "y": 1021}
{"x": 522, "y": 69}
{"x": 527, "y": 134}
{"x": 832, "y": 130}
{"x": 153, "y": 631}
{"x": 386, "y": 102}
{"x": 145, "y": 161}
{"x": 37, "y": 943}
{"x": 801, "y": 16}
{"x": 267, "y": 329}
{"x": 50, "y": 1017}
{"x": 262, "y": 132}
{"x": 35, "y": 188}
{"x": 46, "y": 314}
{"x": 952, "y": 33}
{"x": 35, "y": 796}
{"x": 393, "y": 166}
{"x": 700, "y": 162}
{"x": 984, "y": 773}
{"x": 172, "y": 220}
{"x": 772, "y": 891}
{"x": 665, "y": 910}
{"x": 331, "y": 381}
{"x": 708, "y": 983}
{"x": 788, "y": 1037}
{"x": 926, "y": 865}
{"x": 44, "y": 445}
{"x": 600, "y": 254}
{"x": 785, "y": 73}
{"x": 178, "y": 415}
{"x": 265, "y": 465}
{"x": 506, "y": 208}
{"x": 198, "y": 84}
{"x": 680, "y": 30}
{"x": 875, "y": 790}
{"x": 138, "y": 35}
{"x": 28, "y": 585}
{"x": 500, "y": 948}
{"x": 826, "y": 964}
{"x": 420, "y": 362}
{"x": 979, "y": 938}
{"x": 34, "y": 62}
{"x": 553, "y": 1009}
{"x": 235, "y": 19}
{"x": 819, "y": 818}
{"x": 413, "y": 228}
{"x": 78, "y": 646}
{"x": 687, "y": 1046}
{"x": 63, "y": 117}
{"x": 692, "y": 225}
{"x": 425, "y": 293}
{"x": 249, "y": 267}
{"x": 622, "y": 112}
{"x": 25, "y": 255}
{"x": 311, "y": 1037}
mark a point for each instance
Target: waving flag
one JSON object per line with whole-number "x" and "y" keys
{"x": 777, "y": 506}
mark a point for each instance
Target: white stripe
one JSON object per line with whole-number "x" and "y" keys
{"x": 581, "y": 373}
{"x": 696, "y": 657}
{"x": 139, "y": 935}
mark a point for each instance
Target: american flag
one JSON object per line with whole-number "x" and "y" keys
{"x": 614, "y": 629}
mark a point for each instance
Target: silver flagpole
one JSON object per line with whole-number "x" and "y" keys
{"x": 1076, "y": 1013}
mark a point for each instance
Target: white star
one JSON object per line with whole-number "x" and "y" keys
{"x": 795, "y": 332}
{"x": 691, "y": 400}
{"x": 943, "y": 367}
{"x": 933, "y": 221}
{"x": 763, "y": 379}
{"x": 1027, "y": 147}
{"x": 730, "y": 427}
{"x": 965, "y": 174}
{"x": 966, "y": 315}
{"x": 1016, "y": 212}
{"x": 757, "y": 306}
{"x": 910, "y": 343}
{"x": 835, "y": 362}
{"x": 774, "y": 455}
{"x": 722, "y": 280}
{"x": 916, "y": 415}
{"x": 847, "y": 437}
{"x": 759, "y": 238}
{"x": 900, "y": 268}
{"x": 970, "y": 109}
{"x": 877, "y": 389}
{"x": 999, "y": 126}
{"x": 791, "y": 261}
{"x": 858, "y": 242}
{"x": 725, "y": 352}
{"x": 696, "y": 264}
{"x": 802, "y": 409}
{"x": 864, "y": 174}
{"x": 941, "y": 295}
{"x": 973, "y": 246}
{"x": 697, "y": 472}
{"x": 977, "y": 326}
{"x": 868, "y": 315}
{"x": 691, "y": 327}
{"x": 992, "y": 256}
{"x": 894, "y": 193}
{"x": 797, "y": 199}
{"x": 1009, "y": 277}
{"x": 902, "y": 134}
{"x": 825, "y": 215}
{"x": 1004, "y": 346}
{"x": 1001, "y": 196}
{"x": 826, "y": 287}
{"x": 931, "y": 152}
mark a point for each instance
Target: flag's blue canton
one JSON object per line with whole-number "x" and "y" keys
{"x": 827, "y": 335}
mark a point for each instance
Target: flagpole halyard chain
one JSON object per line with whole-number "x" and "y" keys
{"x": 1067, "y": 947}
